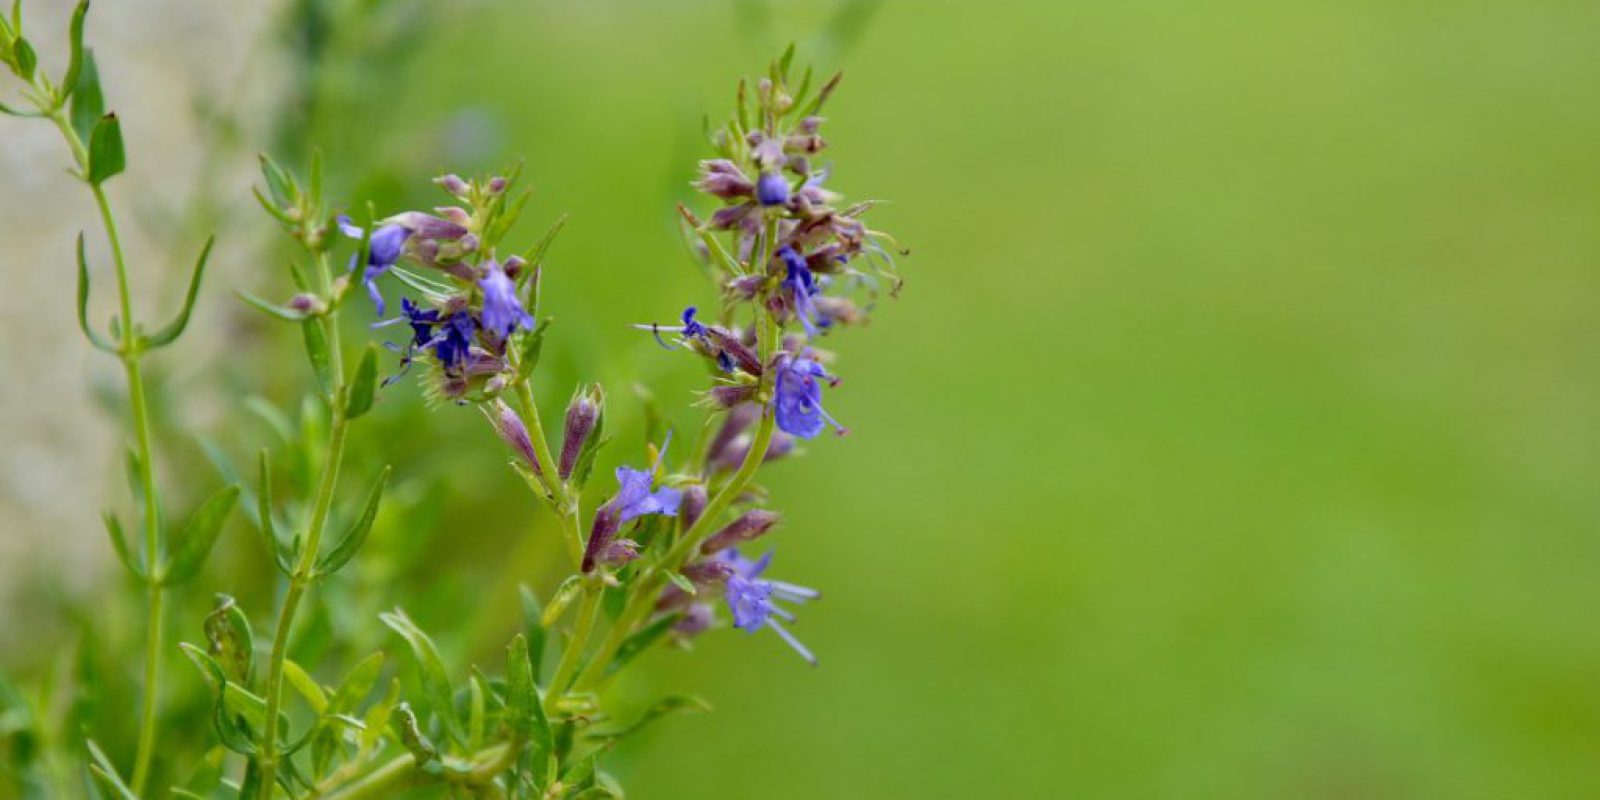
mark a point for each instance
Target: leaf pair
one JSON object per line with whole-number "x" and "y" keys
{"x": 195, "y": 544}
{"x": 169, "y": 332}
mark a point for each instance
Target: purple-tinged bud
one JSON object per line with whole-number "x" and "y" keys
{"x": 606, "y": 522}
{"x": 469, "y": 243}
{"x": 497, "y": 185}
{"x": 428, "y": 226}
{"x": 811, "y": 125}
{"x": 513, "y": 266}
{"x": 722, "y": 178}
{"x": 454, "y": 214}
{"x": 730, "y": 395}
{"x": 739, "y": 419}
{"x": 513, "y": 433}
{"x": 749, "y": 525}
{"x": 582, "y": 414}
{"x": 772, "y": 190}
{"x": 307, "y": 303}
{"x": 673, "y": 598}
{"x": 707, "y": 573}
{"x": 741, "y": 353}
{"x": 735, "y": 452}
{"x": 746, "y": 287}
{"x": 696, "y": 619}
{"x": 730, "y": 216}
{"x": 692, "y": 505}
{"x": 452, "y": 184}
{"x": 618, "y": 552}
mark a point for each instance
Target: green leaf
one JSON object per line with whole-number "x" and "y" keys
{"x": 783, "y": 62}
{"x": 269, "y": 529}
{"x": 26, "y": 60}
{"x": 321, "y": 358}
{"x": 532, "y": 347}
{"x": 639, "y": 642}
{"x": 410, "y": 732}
{"x": 281, "y": 312}
{"x": 305, "y": 685}
{"x": 279, "y": 183}
{"x": 126, "y": 556}
{"x": 377, "y": 717}
{"x": 106, "y": 773}
{"x": 239, "y": 700}
{"x": 174, "y": 329}
{"x": 362, "y": 388}
{"x": 435, "y": 683}
{"x": 684, "y": 584}
{"x": 352, "y": 541}
{"x": 357, "y": 684}
{"x": 476, "y": 712}
{"x": 524, "y": 704}
{"x": 559, "y": 601}
{"x": 106, "y": 156}
{"x": 69, "y": 81}
{"x": 88, "y": 100}
{"x": 675, "y": 704}
{"x": 199, "y": 534}
{"x": 230, "y": 638}
{"x": 83, "y": 302}
{"x": 534, "y": 628}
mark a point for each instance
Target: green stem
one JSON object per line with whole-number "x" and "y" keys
{"x": 588, "y": 612}
{"x": 566, "y": 506}
{"x": 300, "y": 580}
{"x": 402, "y": 770}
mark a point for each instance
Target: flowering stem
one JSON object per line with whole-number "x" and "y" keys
{"x": 643, "y": 598}
{"x": 567, "y": 507}
{"x": 300, "y": 580}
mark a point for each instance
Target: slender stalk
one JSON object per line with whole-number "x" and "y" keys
{"x": 402, "y": 771}
{"x": 588, "y": 612}
{"x": 300, "y": 580}
{"x": 567, "y": 506}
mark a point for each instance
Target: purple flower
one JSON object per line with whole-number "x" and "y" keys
{"x": 799, "y": 285}
{"x": 797, "y": 400}
{"x": 772, "y": 189}
{"x": 633, "y": 499}
{"x": 502, "y": 311}
{"x": 690, "y": 329}
{"x": 383, "y": 250}
{"x": 751, "y": 599}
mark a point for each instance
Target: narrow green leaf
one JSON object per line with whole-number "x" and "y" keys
{"x": 279, "y": 183}
{"x": 411, "y": 736}
{"x": 106, "y": 773}
{"x": 174, "y": 329}
{"x": 17, "y": 112}
{"x": 126, "y": 556}
{"x": 435, "y": 683}
{"x": 675, "y": 704}
{"x": 533, "y": 628}
{"x": 785, "y": 61}
{"x": 532, "y": 348}
{"x": 305, "y": 685}
{"x": 281, "y": 312}
{"x": 640, "y": 641}
{"x": 88, "y": 102}
{"x": 321, "y": 358}
{"x": 476, "y": 712}
{"x": 231, "y": 640}
{"x": 106, "y": 156}
{"x": 524, "y": 704}
{"x": 69, "y": 81}
{"x": 352, "y": 541}
{"x": 684, "y": 584}
{"x": 357, "y": 684}
{"x": 83, "y": 302}
{"x": 559, "y": 601}
{"x": 269, "y": 529}
{"x": 377, "y": 717}
{"x": 199, "y": 534}
{"x": 364, "y": 385}
{"x": 25, "y": 59}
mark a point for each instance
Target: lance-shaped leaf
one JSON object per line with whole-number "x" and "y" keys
{"x": 344, "y": 702}
{"x": 106, "y": 774}
{"x": 269, "y": 529}
{"x": 305, "y": 685}
{"x": 107, "y": 158}
{"x": 199, "y": 534}
{"x": 533, "y": 627}
{"x": 532, "y": 348}
{"x": 237, "y": 700}
{"x": 174, "y": 329}
{"x": 83, "y": 302}
{"x": 674, "y": 704}
{"x": 69, "y": 81}
{"x": 231, "y": 640}
{"x": 25, "y": 58}
{"x": 88, "y": 100}
{"x": 357, "y": 535}
{"x": 320, "y": 355}
{"x": 281, "y": 312}
{"x": 120, "y": 543}
{"x": 435, "y": 683}
{"x": 362, "y": 388}
{"x": 410, "y": 733}
{"x": 285, "y": 193}
{"x": 524, "y": 705}
{"x": 562, "y": 598}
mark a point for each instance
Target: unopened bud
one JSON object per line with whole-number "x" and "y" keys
{"x": 730, "y": 395}
{"x": 618, "y": 552}
{"x": 692, "y": 505}
{"x": 741, "y": 353}
{"x": 452, "y": 184}
{"x": 606, "y": 522}
{"x": 695, "y": 620}
{"x": 707, "y": 573}
{"x": 307, "y": 303}
{"x": 582, "y": 415}
{"x": 750, "y": 525}
{"x": 497, "y": 185}
{"x": 515, "y": 434}
{"x": 772, "y": 189}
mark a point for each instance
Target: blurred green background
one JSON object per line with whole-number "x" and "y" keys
{"x": 1235, "y": 434}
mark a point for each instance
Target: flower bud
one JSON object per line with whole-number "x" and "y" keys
{"x": 740, "y": 352}
{"x": 452, "y": 184}
{"x": 692, "y": 505}
{"x": 772, "y": 190}
{"x": 607, "y": 519}
{"x": 696, "y": 619}
{"x": 582, "y": 414}
{"x": 722, "y": 178}
{"x": 515, "y": 434}
{"x": 730, "y": 395}
{"x": 707, "y": 573}
{"x": 307, "y": 303}
{"x": 749, "y": 525}
{"x": 454, "y": 214}
{"x": 618, "y": 552}
{"x": 738, "y": 420}
{"x": 497, "y": 185}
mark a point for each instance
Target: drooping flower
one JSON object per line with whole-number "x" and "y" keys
{"x": 502, "y": 311}
{"x": 799, "y": 287}
{"x": 383, "y": 250}
{"x": 752, "y": 599}
{"x": 797, "y": 398}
